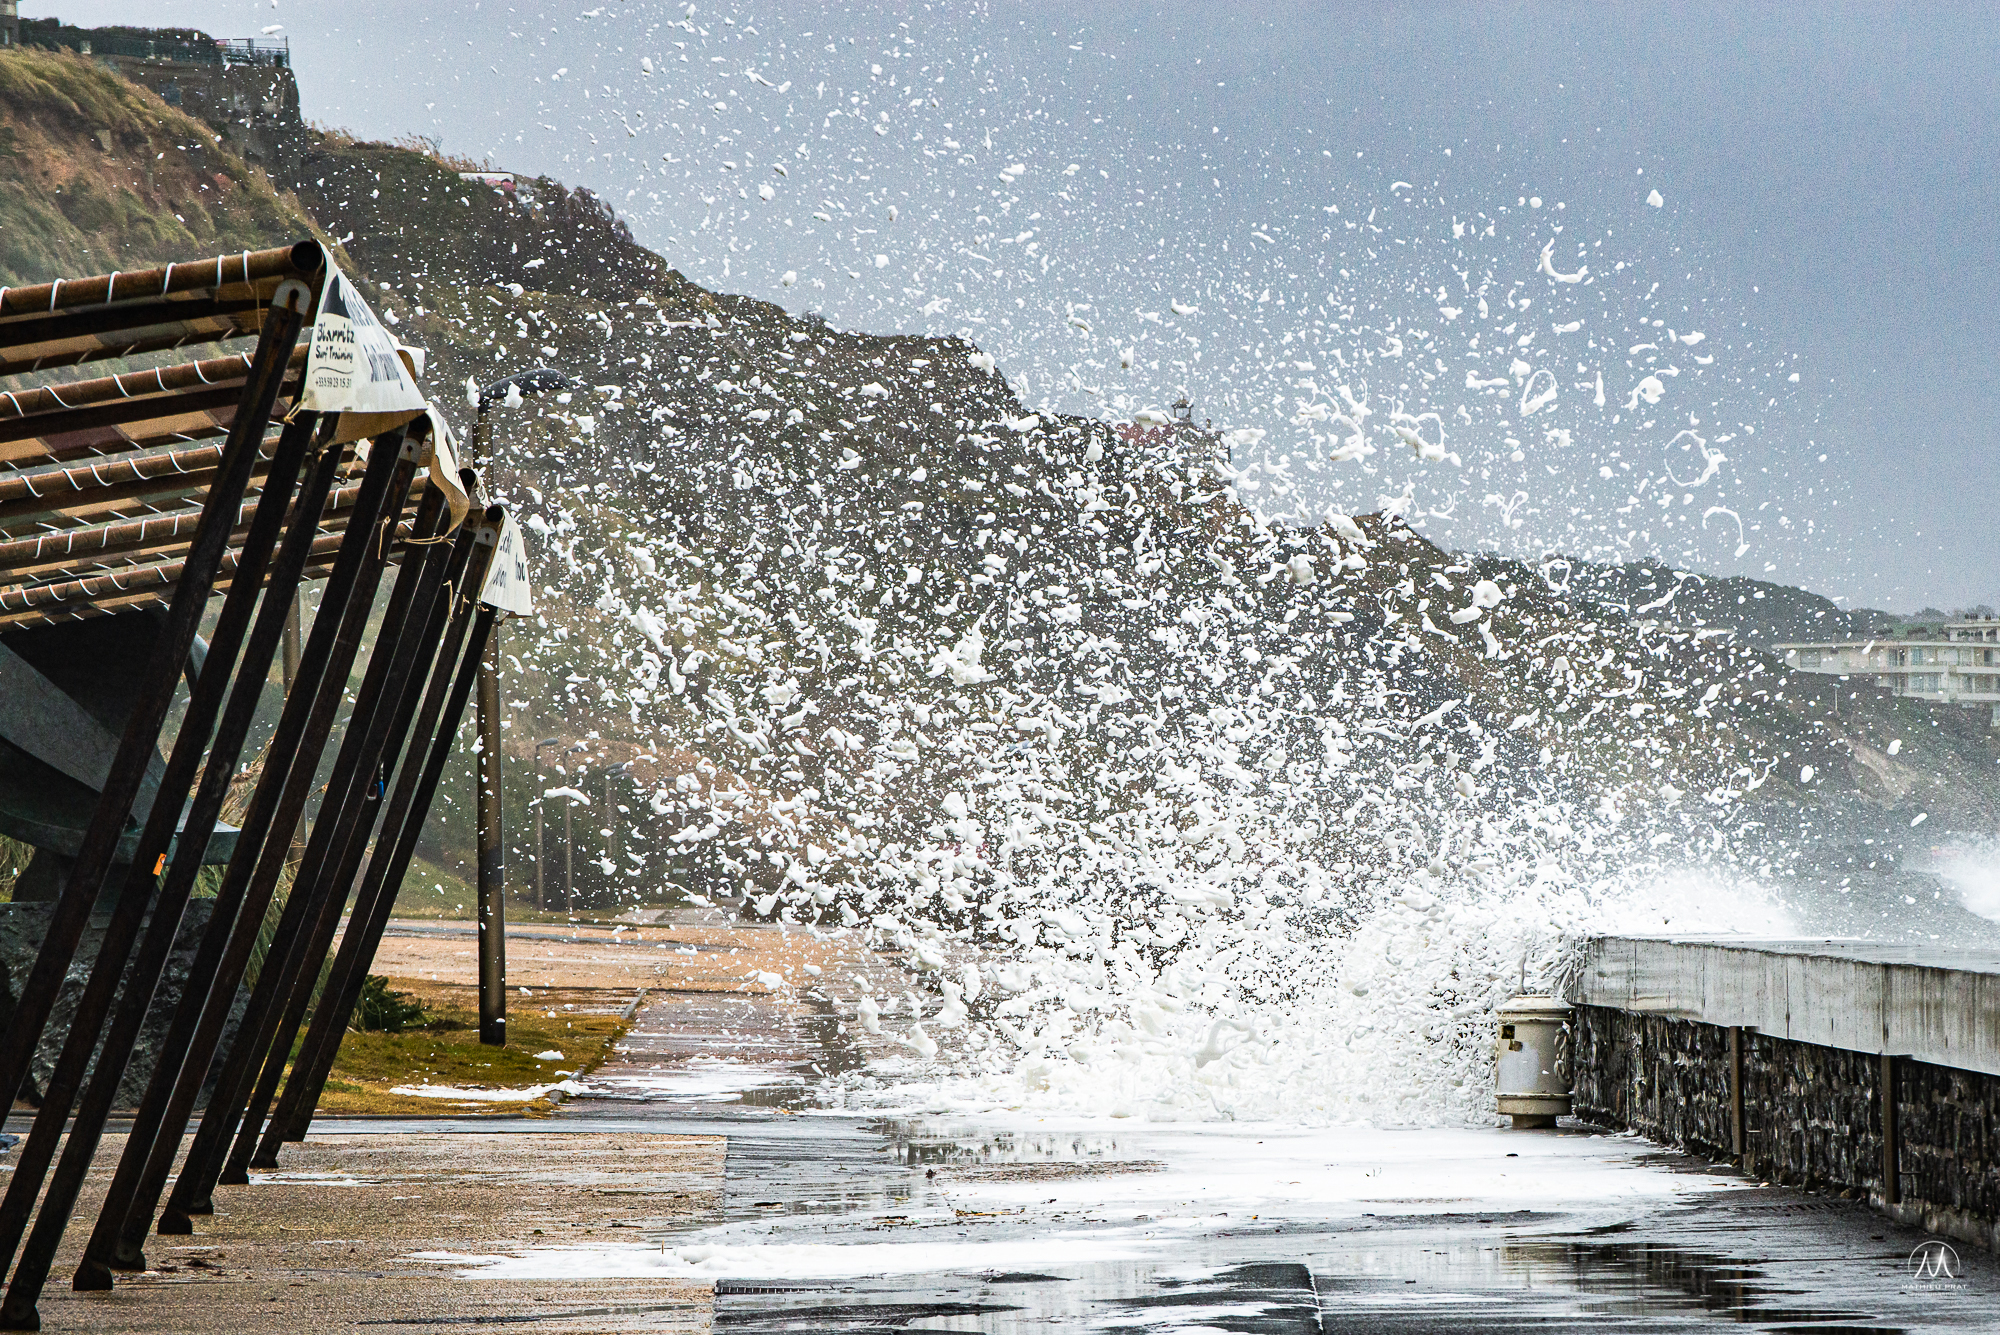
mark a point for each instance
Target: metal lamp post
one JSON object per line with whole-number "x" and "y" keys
{"x": 611, "y": 822}
{"x": 541, "y": 894}
{"x": 569, "y": 841}
{"x": 492, "y": 887}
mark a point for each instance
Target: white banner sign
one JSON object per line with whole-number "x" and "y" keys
{"x": 507, "y": 578}
{"x": 352, "y": 367}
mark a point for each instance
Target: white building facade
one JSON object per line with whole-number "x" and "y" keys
{"x": 1958, "y": 663}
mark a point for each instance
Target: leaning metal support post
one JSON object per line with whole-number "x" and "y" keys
{"x": 427, "y": 620}
{"x": 409, "y": 671}
{"x": 347, "y": 812}
{"x": 313, "y": 882}
{"x": 294, "y": 646}
{"x": 170, "y": 652}
{"x": 492, "y": 859}
{"x": 142, "y": 976}
{"x": 337, "y": 634}
{"x": 113, "y": 969}
{"x": 405, "y": 819}
{"x": 281, "y": 593}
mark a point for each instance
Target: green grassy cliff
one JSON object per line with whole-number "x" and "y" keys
{"x": 99, "y": 174}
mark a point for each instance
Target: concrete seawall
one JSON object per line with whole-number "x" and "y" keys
{"x": 1869, "y": 1071}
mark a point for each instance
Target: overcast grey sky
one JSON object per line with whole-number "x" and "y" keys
{"x": 1328, "y": 195}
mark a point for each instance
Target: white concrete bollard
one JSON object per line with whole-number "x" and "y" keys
{"x": 1531, "y": 1067}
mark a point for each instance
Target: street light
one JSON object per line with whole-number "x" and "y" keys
{"x": 569, "y": 842}
{"x": 611, "y": 821}
{"x": 541, "y": 896}
{"x": 541, "y": 800}
{"x": 492, "y": 889}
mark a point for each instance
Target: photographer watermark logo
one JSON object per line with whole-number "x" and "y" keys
{"x": 1935, "y": 1260}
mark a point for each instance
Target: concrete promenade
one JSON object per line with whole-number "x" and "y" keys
{"x": 696, "y": 1190}
{"x": 338, "y": 1239}
{"x": 695, "y": 1194}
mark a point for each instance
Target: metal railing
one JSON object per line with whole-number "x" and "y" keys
{"x": 273, "y": 52}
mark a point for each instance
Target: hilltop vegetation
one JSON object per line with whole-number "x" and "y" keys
{"x": 98, "y": 174}
{"x": 1757, "y": 611}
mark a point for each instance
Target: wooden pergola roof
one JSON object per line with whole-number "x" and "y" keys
{"x": 102, "y": 480}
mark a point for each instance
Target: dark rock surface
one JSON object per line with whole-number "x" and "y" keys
{"x": 21, "y": 929}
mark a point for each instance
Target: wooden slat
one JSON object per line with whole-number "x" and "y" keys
{"x": 139, "y": 586}
{"x": 150, "y": 537}
{"x": 20, "y": 304}
{"x": 70, "y": 321}
{"x": 81, "y": 419}
{"x": 122, "y": 485}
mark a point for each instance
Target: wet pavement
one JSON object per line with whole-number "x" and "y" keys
{"x": 1094, "y": 1254}
{"x": 1003, "y": 1222}
{"x": 698, "y": 1189}
{"x": 839, "y": 1223}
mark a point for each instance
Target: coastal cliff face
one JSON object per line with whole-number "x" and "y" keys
{"x": 817, "y": 585}
{"x": 98, "y": 173}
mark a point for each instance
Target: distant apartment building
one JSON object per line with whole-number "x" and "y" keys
{"x": 1957, "y": 663}
{"x": 509, "y": 186}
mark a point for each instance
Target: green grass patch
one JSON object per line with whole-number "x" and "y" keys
{"x": 432, "y": 891}
{"x": 446, "y": 1050}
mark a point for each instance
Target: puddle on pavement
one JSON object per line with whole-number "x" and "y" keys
{"x": 1411, "y": 1274}
{"x": 1565, "y": 1283}
{"x": 966, "y": 1151}
{"x": 883, "y": 1168}
{"x": 1548, "y": 1287}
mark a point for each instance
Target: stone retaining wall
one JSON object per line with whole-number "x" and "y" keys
{"x": 1948, "y": 1129}
{"x": 1666, "y": 1079}
{"x": 1801, "y": 1114}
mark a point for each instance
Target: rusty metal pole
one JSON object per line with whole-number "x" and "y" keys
{"x": 490, "y": 866}
{"x": 445, "y": 693}
{"x": 492, "y": 887}
{"x": 492, "y": 869}
{"x": 541, "y": 841}
{"x": 294, "y": 648}
{"x": 291, "y": 642}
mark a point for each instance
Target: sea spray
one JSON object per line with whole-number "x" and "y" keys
{"x": 1230, "y": 816}
{"x": 1236, "y": 792}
